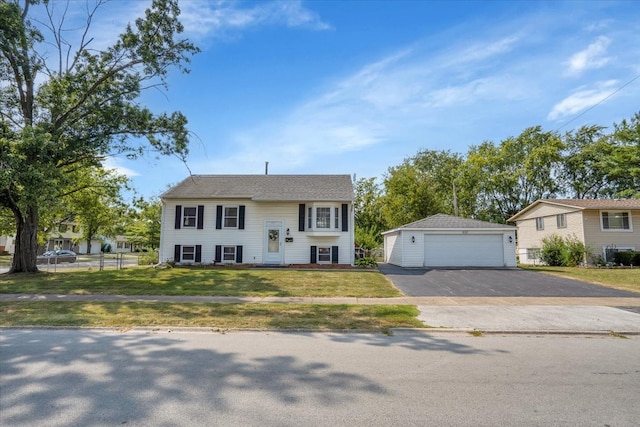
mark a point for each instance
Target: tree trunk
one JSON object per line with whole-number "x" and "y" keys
{"x": 26, "y": 249}
{"x": 88, "y": 246}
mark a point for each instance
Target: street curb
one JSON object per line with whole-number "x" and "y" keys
{"x": 389, "y": 332}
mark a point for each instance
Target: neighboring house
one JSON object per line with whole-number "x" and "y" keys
{"x": 449, "y": 241}
{"x": 259, "y": 219}
{"x": 120, "y": 244}
{"x": 68, "y": 236}
{"x": 7, "y": 245}
{"x": 604, "y": 226}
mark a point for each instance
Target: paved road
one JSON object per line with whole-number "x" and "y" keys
{"x": 143, "y": 378}
{"x": 491, "y": 283}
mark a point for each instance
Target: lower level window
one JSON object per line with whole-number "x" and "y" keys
{"x": 188, "y": 253}
{"x": 229, "y": 253}
{"x": 324, "y": 254}
{"x": 533, "y": 253}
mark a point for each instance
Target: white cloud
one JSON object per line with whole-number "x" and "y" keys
{"x": 115, "y": 165}
{"x": 219, "y": 18}
{"x": 394, "y": 96}
{"x": 581, "y": 100}
{"x": 591, "y": 57}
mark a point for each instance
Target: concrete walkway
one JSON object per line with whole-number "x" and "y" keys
{"x": 426, "y": 301}
{"x": 486, "y": 314}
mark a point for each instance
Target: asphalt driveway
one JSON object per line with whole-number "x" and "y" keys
{"x": 490, "y": 283}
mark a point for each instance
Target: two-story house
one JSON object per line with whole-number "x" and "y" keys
{"x": 259, "y": 219}
{"x": 603, "y": 225}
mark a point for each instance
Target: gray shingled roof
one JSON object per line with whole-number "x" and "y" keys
{"x": 584, "y": 204}
{"x": 265, "y": 188}
{"x": 598, "y": 203}
{"x": 442, "y": 221}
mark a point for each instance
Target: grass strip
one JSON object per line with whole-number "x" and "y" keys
{"x": 626, "y": 279}
{"x": 205, "y": 282}
{"x": 258, "y": 316}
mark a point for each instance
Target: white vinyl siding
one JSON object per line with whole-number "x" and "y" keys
{"x": 252, "y": 237}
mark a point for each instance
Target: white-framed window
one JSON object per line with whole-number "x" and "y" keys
{"x": 616, "y": 221}
{"x": 127, "y": 245}
{"x": 119, "y": 245}
{"x": 539, "y": 223}
{"x": 74, "y": 228}
{"x": 229, "y": 253}
{"x": 323, "y": 218}
{"x": 324, "y": 255}
{"x": 230, "y": 219}
{"x": 561, "y": 220}
{"x": 189, "y": 216}
{"x": 188, "y": 253}
{"x": 533, "y": 253}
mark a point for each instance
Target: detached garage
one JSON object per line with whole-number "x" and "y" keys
{"x": 450, "y": 241}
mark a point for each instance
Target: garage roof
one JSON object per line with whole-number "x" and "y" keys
{"x": 443, "y": 221}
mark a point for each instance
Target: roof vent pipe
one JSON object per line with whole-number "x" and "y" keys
{"x": 266, "y": 168}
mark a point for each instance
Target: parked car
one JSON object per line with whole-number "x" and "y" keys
{"x": 56, "y": 257}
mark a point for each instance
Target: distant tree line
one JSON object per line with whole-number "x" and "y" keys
{"x": 492, "y": 182}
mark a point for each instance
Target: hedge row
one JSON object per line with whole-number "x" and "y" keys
{"x": 627, "y": 258}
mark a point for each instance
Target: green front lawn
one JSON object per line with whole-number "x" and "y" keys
{"x": 627, "y": 279}
{"x": 255, "y": 316}
{"x": 205, "y": 282}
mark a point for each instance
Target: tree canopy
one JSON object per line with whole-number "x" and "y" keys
{"x": 62, "y": 117}
{"x": 494, "y": 181}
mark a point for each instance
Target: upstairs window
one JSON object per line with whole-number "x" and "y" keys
{"x": 561, "y": 220}
{"x": 323, "y": 217}
{"x": 230, "y": 217}
{"x": 615, "y": 221}
{"x": 189, "y": 216}
{"x": 540, "y": 223}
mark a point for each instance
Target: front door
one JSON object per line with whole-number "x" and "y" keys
{"x": 273, "y": 242}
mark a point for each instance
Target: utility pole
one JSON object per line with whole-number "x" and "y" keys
{"x": 455, "y": 199}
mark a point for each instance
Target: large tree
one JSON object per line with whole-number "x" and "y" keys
{"x": 515, "y": 173}
{"x": 368, "y": 213}
{"x": 63, "y": 111}
{"x": 582, "y": 172}
{"x": 624, "y": 163}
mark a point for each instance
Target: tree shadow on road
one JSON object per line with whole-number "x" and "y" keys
{"x": 110, "y": 378}
{"x": 413, "y": 340}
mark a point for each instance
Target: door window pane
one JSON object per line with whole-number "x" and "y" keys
{"x": 274, "y": 241}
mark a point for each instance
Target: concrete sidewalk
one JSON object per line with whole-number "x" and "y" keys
{"x": 487, "y": 314}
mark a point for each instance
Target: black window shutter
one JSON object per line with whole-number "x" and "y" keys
{"x": 239, "y": 254}
{"x": 198, "y": 253}
{"x": 218, "y": 257}
{"x": 200, "y": 217}
{"x": 345, "y": 217}
{"x": 301, "y": 212}
{"x": 241, "y": 217}
{"x": 218, "y": 217}
{"x": 314, "y": 256}
{"x": 334, "y": 254}
{"x": 176, "y": 253}
{"x": 178, "y": 215}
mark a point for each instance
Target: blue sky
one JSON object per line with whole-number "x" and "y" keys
{"x": 355, "y": 87}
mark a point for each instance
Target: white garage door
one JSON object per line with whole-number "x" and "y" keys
{"x": 463, "y": 250}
